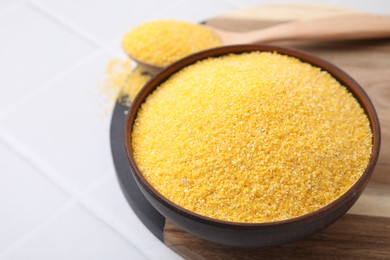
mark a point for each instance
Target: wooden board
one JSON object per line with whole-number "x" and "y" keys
{"x": 351, "y": 237}
{"x": 365, "y": 231}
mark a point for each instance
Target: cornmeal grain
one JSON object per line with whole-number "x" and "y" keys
{"x": 123, "y": 81}
{"x": 161, "y": 43}
{"x": 254, "y": 137}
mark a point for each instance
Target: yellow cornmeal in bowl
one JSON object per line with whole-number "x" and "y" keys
{"x": 254, "y": 137}
{"x": 161, "y": 43}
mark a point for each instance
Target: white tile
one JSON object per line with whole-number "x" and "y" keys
{"x": 33, "y": 50}
{"x": 7, "y": 3}
{"x": 67, "y": 125}
{"x": 110, "y": 201}
{"x": 105, "y": 20}
{"x": 76, "y": 235}
{"x": 27, "y": 198}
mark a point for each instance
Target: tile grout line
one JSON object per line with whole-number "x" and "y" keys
{"x": 74, "y": 199}
{"x": 52, "y": 81}
{"x": 55, "y": 17}
{"x": 93, "y": 210}
{"x": 75, "y": 196}
{"x": 23, "y": 153}
{"x": 95, "y": 43}
{"x": 39, "y": 165}
{"x": 29, "y": 234}
{"x": 80, "y": 199}
{"x": 16, "y": 147}
{"x": 44, "y": 169}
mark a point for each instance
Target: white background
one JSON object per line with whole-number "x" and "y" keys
{"x": 59, "y": 198}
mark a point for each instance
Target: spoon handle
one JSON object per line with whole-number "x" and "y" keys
{"x": 342, "y": 27}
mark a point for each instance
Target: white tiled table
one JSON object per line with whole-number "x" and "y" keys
{"x": 59, "y": 198}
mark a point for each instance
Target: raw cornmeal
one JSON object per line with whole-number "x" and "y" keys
{"x": 161, "y": 43}
{"x": 123, "y": 81}
{"x": 254, "y": 137}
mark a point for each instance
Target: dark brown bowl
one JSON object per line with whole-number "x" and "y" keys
{"x": 256, "y": 234}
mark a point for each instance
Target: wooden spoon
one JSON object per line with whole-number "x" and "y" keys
{"x": 331, "y": 28}
{"x": 342, "y": 27}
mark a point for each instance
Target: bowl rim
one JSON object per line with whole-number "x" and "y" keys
{"x": 352, "y": 86}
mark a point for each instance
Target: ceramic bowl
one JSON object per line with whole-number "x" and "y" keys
{"x": 256, "y": 234}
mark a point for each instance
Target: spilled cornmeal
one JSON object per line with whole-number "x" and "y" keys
{"x": 123, "y": 80}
